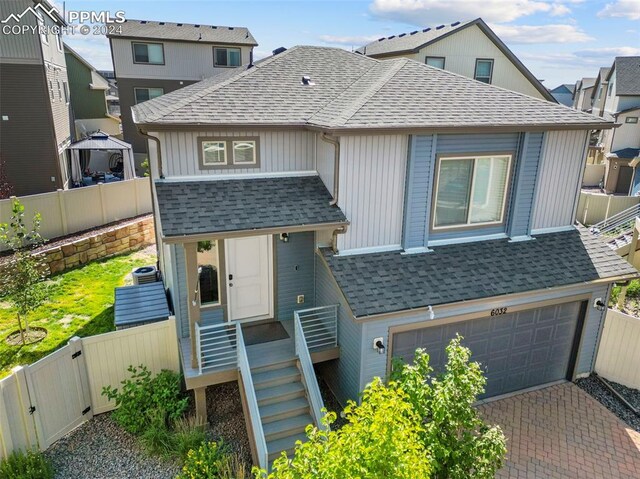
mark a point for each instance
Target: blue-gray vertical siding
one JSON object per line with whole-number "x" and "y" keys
{"x": 180, "y": 286}
{"x": 418, "y": 191}
{"x": 524, "y": 185}
{"x": 593, "y": 324}
{"x": 343, "y": 374}
{"x": 294, "y": 267}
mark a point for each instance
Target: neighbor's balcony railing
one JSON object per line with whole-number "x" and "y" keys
{"x": 320, "y": 326}
{"x": 216, "y": 346}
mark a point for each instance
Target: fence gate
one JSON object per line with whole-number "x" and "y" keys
{"x": 58, "y": 393}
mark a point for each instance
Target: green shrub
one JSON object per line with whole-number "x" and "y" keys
{"x": 160, "y": 395}
{"x": 205, "y": 462}
{"x": 157, "y": 438}
{"x": 188, "y": 434}
{"x": 29, "y": 465}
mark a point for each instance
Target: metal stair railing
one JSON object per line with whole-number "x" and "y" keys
{"x": 617, "y": 224}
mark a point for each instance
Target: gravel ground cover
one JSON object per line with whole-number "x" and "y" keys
{"x": 596, "y": 389}
{"x": 100, "y": 449}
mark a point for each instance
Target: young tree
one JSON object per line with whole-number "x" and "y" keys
{"x": 22, "y": 281}
{"x": 461, "y": 445}
{"x": 380, "y": 440}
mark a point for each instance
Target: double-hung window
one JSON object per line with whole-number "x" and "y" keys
{"x": 144, "y": 94}
{"x": 228, "y": 152}
{"x": 437, "y": 62}
{"x": 148, "y": 53}
{"x": 227, "y": 57}
{"x": 484, "y": 70}
{"x": 471, "y": 191}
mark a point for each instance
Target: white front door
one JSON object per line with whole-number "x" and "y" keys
{"x": 249, "y": 264}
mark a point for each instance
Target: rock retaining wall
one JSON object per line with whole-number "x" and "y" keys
{"x": 120, "y": 239}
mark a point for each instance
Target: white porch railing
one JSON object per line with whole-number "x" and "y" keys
{"x": 252, "y": 401}
{"x": 320, "y": 326}
{"x": 308, "y": 374}
{"x": 216, "y": 346}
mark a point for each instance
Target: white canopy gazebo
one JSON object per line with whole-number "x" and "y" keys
{"x": 99, "y": 141}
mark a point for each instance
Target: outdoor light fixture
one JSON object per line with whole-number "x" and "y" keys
{"x": 284, "y": 237}
{"x": 599, "y": 304}
{"x": 378, "y": 345}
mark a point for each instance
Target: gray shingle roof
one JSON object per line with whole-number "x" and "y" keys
{"x": 352, "y": 91}
{"x": 153, "y": 30}
{"x": 628, "y": 153}
{"x": 388, "y": 282}
{"x": 406, "y": 42}
{"x": 627, "y": 75}
{"x": 217, "y": 206}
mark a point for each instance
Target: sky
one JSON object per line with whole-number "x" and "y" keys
{"x": 560, "y": 41}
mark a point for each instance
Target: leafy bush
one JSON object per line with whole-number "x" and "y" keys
{"x": 380, "y": 440}
{"x": 159, "y": 396}
{"x": 26, "y": 465}
{"x": 211, "y": 461}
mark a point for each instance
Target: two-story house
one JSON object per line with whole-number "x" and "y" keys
{"x": 152, "y": 58}
{"x": 468, "y": 48}
{"x": 599, "y": 92}
{"x": 34, "y": 97}
{"x": 89, "y": 91}
{"x": 563, "y": 94}
{"x": 621, "y": 145}
{"x": 582, "y": 94}
{"x": 327, "y": 207}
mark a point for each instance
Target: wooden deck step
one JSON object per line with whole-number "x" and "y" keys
{"x": 275, "y": 377}
{"x": 287, "y": 444}
{"x": 283, "y": 392}
{"x": 284, "y": 409}
{"x": 286, "y": 427}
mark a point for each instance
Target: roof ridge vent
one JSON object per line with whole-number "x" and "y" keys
{"x": 401, "y": 35}
{"x": 392, "y": 36}
{"x": 414, "y": 32}
{"x": 439, "y": 27}
{"x": 231, "y": 28}
{"x": 160, "y": 23}
{"x": 380, "y": 39}
{"x": 426, "y": 30}
{"x": 214, "y": 27}
{"x": 455, "y": 24}
{"x": 306, "y": 80}
{"x": 278, "y": 50}
{"x": 178, "y": 24}
{"x": 197, "y": 26}
{"x": 143, "y": 22}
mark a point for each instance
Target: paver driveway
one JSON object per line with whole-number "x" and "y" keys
{"x": 562, "y": 432}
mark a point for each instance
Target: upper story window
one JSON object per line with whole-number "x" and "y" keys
{"x": 65, "y": 85}
{"x": 144, "y": 94}
{"x": 484, "y": 70}
{"x": 148, "y": 53}
{"x": 631, "y": 119}
{"x": 231, "y": 152}
{"x": 227, "y": 57}
{"x": 471, "y": 191}
{"x": 437, "y": 62}
{"x": 59, "y": 42}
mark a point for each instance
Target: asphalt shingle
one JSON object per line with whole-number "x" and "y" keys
{"x": 351, "y": 91}
{"x": 388, "y": 282}
{"x": 216, "y": 206}
{"x": 153, "y": 30}
{"x": 627, "y": 75}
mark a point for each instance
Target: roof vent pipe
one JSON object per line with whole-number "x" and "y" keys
{"x": 336, "y": 165}
{"x": 306, "y": 80}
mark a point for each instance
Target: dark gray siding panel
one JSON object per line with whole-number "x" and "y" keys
{"x": 472, "y": 144}
{"x": 525, "y": 184}
{"x": 294, "y": 273}
{"x": 343, "y": 374}
{"x": 417, "y": 197}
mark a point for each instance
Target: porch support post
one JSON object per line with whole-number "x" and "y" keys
{"x": 200, "y": 395}
{"x": 191, "y": 260}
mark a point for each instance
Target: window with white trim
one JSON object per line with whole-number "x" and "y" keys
{"x": 144, "y": 93}
{"x": 227, "y": 57}
{"x": 484, "y": 70}
{"x": 471, "y": 191}
{"x": 229, "y": 152}
{"x": 437, "y": 62}
{"x": 631, "y": 119}
{"x": 244, "y": 152}
{"x": 214, "y": 153}
{"x": 148, "y": 53}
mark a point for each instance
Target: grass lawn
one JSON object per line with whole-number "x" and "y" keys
{"x": 80, "y": 304}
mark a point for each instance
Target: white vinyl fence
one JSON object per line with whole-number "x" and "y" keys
{"x": 596, "y": 207}
{"x": 619, "y": 351}
{"x": 69, "y": 211}
{"x": 42, "y": 402}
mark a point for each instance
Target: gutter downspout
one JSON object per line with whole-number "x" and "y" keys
{"x": 336, "y": 166}
{"x": 159, "y": 249}
{"x": 334, "y": 237}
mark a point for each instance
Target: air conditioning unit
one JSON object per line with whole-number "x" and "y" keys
{"x": 144, "y": 275}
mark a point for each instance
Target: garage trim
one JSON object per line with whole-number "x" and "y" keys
{"x": 578, "y": 339}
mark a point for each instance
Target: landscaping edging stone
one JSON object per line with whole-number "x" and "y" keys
{"x": 121, "y": 238}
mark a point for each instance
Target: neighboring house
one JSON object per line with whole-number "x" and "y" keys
{"x": 563, "y": 94}
{"x": 468, "y": 48}
{"x": 621, "y": 105}
{"x": 395, "y": 203}
{"x": 34, "y": 101}
{"x": 88, "y": 98}
{"x": 599, "y": 92}
{"x": 153, "y": 58}
{"x": 113, "y": 100}
{"x": 582, "y": 94}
